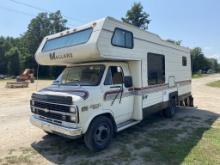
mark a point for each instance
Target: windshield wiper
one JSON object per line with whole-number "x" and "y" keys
{"x": 75, "y": 83}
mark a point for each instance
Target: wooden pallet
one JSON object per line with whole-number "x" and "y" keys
{"x": 17, "y": 84}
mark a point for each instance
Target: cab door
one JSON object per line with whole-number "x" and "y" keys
{"x": 117, "y": 97}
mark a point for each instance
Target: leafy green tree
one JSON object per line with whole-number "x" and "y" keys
{"x": 218, "y": 68}
{"x": 5, "y": 45}
{"x": 57, "y": 23}
{"x": 13, "y": 64}
{"x": 137, "y": 16}
{"x": 199, "y": 61}
{"x": 44, "y": 24}
{"x": 213, "y": 64}
{"x": 3, "y": 64}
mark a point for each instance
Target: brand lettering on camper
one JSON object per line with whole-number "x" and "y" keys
{"x": 54, "y": 56}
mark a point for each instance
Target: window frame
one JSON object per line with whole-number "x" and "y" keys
{"x": 164, "y": 63}
{"x": 42, "y": 50}
{"x": 112, "y": 80}
{"x": 184, "y": 59}
{"x": 132, "y": 36}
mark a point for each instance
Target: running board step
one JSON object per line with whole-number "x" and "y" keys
{"x": 126, "y": 124}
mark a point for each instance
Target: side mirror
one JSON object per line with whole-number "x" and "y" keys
{"x": 128, "y": 81}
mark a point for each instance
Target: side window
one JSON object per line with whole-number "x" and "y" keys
{"x": 122, "y": 38}
{"x": 114, "y": 76}
{"x": 156, "y": 69}
{"x": 184, "y": 61}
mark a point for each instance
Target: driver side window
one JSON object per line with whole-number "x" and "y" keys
{"x": 114, "y": 76}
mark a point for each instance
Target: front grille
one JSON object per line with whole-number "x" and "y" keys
{"x": 53, "y": 115}
{"x": 55, "y": 107}
{"x": 46, "y": 109}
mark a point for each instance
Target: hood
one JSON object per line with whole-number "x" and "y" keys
{"x": 77, "y": 93}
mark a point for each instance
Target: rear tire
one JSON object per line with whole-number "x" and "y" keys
{"x": 191, "y": 101}
{"x": 99, "y": 134}
{"x": 171, "y": 110}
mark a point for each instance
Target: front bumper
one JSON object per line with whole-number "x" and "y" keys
{"x": 56, "y": 129}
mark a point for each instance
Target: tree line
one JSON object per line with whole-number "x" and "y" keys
{"x": 16, "y": 54}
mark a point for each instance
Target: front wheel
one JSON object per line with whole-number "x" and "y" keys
{"x": 99, "y": 134}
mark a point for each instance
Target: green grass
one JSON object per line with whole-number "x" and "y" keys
{"x": 214, "y": 84}
{"x": 198, "y": 75}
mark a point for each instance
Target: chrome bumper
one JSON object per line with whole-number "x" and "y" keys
{"x": 56, "y": 129}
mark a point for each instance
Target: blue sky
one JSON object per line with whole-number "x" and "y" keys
{"x": 195, "y": 22}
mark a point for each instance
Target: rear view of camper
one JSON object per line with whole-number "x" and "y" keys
{"x": 116, "y": 74}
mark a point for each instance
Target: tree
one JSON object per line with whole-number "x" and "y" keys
{"x": 57, "y": 22}
{"x": 137, "y": 17}
{"x": 13, "y": 64}
{"x": 3, "y": 64}
{"x": 5, "y": 45}
{"x": 213, "y": 64}
{"x": 199, "y": 61}
{"x": 44, "y": 24}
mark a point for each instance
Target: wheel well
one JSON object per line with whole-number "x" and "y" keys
{"x": 173, "y": 95}
{"x": 108, "y": 115}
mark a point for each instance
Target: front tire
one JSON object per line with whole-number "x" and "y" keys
{"x": 99, "y": 134}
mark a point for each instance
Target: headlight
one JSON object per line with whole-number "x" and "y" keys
{"x": 73, "y": 110}
{"x": 73, "y": 118}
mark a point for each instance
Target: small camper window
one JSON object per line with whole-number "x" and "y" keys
{"x": 122, "y": 38}
{"x": 184, "y": 61}
{"x": 156, "y": 69}
{"x": 72, "y": 39}
{"x": 114, "y": 76}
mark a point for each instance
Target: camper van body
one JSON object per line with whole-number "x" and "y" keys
{"x": 150, "y": 75}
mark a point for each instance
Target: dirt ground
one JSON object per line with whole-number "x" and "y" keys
{"x": 148, "y": 142}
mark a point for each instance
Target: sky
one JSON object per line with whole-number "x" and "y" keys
{"x": 195, "y": 22}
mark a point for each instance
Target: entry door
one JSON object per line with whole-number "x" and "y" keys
{"x": 116, "y": 97}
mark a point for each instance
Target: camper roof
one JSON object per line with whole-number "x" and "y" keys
{"x": 93, "y": 42}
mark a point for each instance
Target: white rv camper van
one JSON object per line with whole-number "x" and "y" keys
{"x": 116, "y": 74}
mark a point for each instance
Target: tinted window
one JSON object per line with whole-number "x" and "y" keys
{"x": 156, "y": 69}
{"x": 122, "y": 38}
{"x": 68, "y": 40}
{"x": 114, "y": 76}
{"x": 184, "y": 61}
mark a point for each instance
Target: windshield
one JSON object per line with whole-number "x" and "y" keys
{"x": 84, "y": 75}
